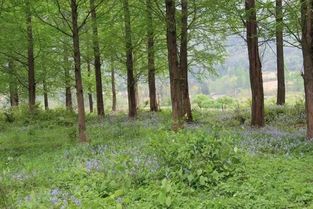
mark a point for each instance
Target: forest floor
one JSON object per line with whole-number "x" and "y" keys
{"x": 216, "y": 162}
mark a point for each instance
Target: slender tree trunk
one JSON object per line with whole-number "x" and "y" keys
{"x": 96, "y": 48}
{"x": 281, "y": 90}
{"x": 14, "y": 98}
{"x": 131, "y": 83}
{"x": 45, "y": 94}
{"x": 90, "y": 102}
{"x": 184, "y": 61}
{"x": 307, "y": 50}
{"x": 78, "y": 78}
{"x": 174, "y": 70}
{"x": 151, "y": 59}
{"x": 89, "y": 89}
{"x": 256, "y": 80}
{"x": 113, "y": 87}
{"x": 30, "y": 58}
{"x": 68, "y": 90}
{"x": 137, "y": 92}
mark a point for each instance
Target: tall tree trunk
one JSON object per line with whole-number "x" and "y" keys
{"x": 257, "y": 118}
{"x": 151, "y": 59}
{"x": 68, "y": 90}
{"x": 281, "y": 90}
{"x": 307, "y": 50}
{"x": 174, "y": 70}
{"x": 131, "y": 82}
{"x": 184, "y": 61}
{"x": 14, "y": 98}
{"x": 96, "y": 48}
{"x": 30, "y": 58}
{"x": 45, "y": 94}
{"x": 78, "y": 77}
{"x": 113, "y": 87}
{"x": 89, "y": 88}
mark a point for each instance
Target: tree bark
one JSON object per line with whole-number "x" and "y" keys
{"x": 45, "y": 94}
{"x": 151, "y": 59}
{"x": 131, "y": 82}
{"x": 96, "y": 49}
{"x": 68, "y": 90}
{"x": 184, "y": 61}
{"x": 30, "y": 58}
{"x": 14, "y": 97}
{"x": 113, "y": 87}
{"x": 137, "y": 92}
{"x": 256, "y": 80}
{"x": 174, "y": 70}
{"x": 78, "y": 78}
{"x": 90, "y": 102}
{"x": 307, "y": 50}
{"x": 89, "y": 89}
{"x": 281, "y": 90}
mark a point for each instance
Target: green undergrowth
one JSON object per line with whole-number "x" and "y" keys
{"x": 218, "y": 161}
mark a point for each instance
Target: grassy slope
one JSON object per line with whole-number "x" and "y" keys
{"x": 42, "y": 166}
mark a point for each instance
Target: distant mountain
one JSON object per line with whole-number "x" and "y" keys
{"x": 238, "y": 56}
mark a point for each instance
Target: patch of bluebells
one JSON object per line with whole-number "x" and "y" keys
{"x": 272, "y": 140}
{"x": 62, "y": 199}
{"x": 93, "y": 165}
{"x": 20, "y": 176}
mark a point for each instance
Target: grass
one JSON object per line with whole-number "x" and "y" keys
{"x": 142, "y": 164}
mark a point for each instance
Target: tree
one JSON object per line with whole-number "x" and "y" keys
{"x": 255, "y": 67}
{"x": 307, "y": 50}
{"x": 174, "y": 70}
{"x": 67, "y": 77}
{"x": 113, "y": 88}
{"x": 45, "y": 92}
{"x": 97, "y": 59}
{"x": 90, "y": 98}
{"x": 13, "y": 87}
{"x": 184, "y": 60}
{"x": 281, "y": 90}
{"x": 151, "y": 58}
{"x": 131, "y": 82}
{"x": 78, "y": 77}
{"x": 30, "y": 58}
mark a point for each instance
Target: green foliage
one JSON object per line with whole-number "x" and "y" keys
{"x": 142, "y": 164}
{"x": 198, "y": 159}
{"x": 204, "y": 102}
{"x": 39, "y": 117}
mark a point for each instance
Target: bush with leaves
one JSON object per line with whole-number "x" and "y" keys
{"x": 226, "y": 102}
{"x": 199, "y": 159}
{"x": 203, "y": 101}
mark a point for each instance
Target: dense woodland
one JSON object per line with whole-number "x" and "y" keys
{"x": 194, "y": 151}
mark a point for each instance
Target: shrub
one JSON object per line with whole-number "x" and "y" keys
{"x": 203, "y": 101}
{"x": 226, "y": 102}
{"x": 198, "y": 159}
{"x": 56, "y": 117}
